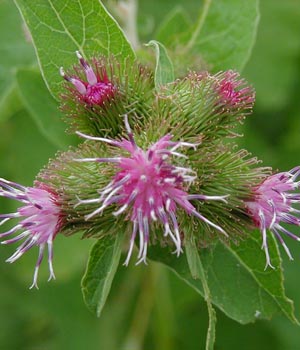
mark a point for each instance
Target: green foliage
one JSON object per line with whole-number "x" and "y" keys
{"x": 238, "y": 283}
{"x": 198, "y": 272}
{"x": 174, "y": 26}
{"x": 42, "y": 107}
{"x": 221, "y": 38}
{"x": 14, "y": 52}
{"x": 152, "y": 16}
{"x": 276, "y": 82}
{"x": 58, "y": 29}
{"x": 101, "y": 269}
{"x": 225, "y": 33}
{"x": 22, "y": 155}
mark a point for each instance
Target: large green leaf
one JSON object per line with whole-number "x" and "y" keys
{"x": 60, "y": 27}
{"x": 101, "y": 269}
{"x": 237, "y": 281}
{"x": 174, "y": 25}
{"x": 277, "y": 42}
{"x": 10, "y": 102}
{"x": 14, "y": 52}
{"x": 23, "y": 149}
{"x": 42, "y": 107}
{"x": 153, "y": 14}
{"x": 225, "y": 33}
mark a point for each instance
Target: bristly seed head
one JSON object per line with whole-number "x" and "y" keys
{"x": 148, "y": 187}
{"x": 42, "y": 220}
{"x": 272, "y": 205}
{"x": 96, "y": 89}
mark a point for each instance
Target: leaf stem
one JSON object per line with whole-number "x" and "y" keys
{"x": 198, "y": 272}
{"x": 199, "y": 26}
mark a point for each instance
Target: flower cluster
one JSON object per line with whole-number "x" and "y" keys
{"x": 150, "y": 188}
{"x": 174, "y": 176}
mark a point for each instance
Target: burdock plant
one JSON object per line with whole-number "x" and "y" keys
{"x": 157, "y": 168}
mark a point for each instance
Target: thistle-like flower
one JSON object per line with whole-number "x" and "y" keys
{"x": 209, "y": 105}
{"x": 272, "y": 205}
{"x": 96, "y": 89}
{"x": 233, "y": 91}
{"x": 149, "y": 188}
{"x": 42, "y": 220}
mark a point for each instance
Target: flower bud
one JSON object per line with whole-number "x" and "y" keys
{"x": 98, "y": 92}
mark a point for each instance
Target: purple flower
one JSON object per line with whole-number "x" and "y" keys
{"x": 233, "y": 91}
{"x": 97, "y": 89}
{"x": 272, "y": 205}
{"x": 40, "y": 223}
{"x": 149, "y": 188}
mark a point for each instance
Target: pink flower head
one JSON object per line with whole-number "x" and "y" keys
{"x": 149, "y": 188}
{"x": 40, "y": 223}
{"x": 272, "y": 205}
{"x": 96, "y": 89}
{"x": 233, "y": 91}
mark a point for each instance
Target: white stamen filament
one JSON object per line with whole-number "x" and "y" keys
{"x": 132, "y": 239}
{"x": 153, "y": 216}
{"x": 169, "y": 179}
{"x": 17, "y": 238}
{"x": 50, "y": 256}
{"x": 168, "y": 203}
{"x": 283, "y": 244}
{"x": 99, "y": 160}
{"x": 264, "y": 242}
{"x": 121, "y": 210}
{"x": 94, "y": 138}
{"x": 203, "y": 218}
{"x": 37, "y": 266}
{"x": 204, "y": 197}
{"x": 86, "y": 201}
{"x": 4, "y": 221}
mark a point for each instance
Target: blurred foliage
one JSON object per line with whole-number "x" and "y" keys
{"x": 149, "y": 307}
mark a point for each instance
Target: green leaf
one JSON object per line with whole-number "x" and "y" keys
{"x": 152, "y": 13}
{"x": 164, "y": 71}
{"x": 238, "y": 283}
{"x": 174, "y": 25}
{"x": 23, "y": 150}
{"x": 275, "y": 82}
{"x": 10, "y": 102}
{"x": 225, "y": 33}
{"x": 197, "y": 272}
{"x": 59, "y": 28}
{"x": 14, "y": 52}
{"x": 42, "y": 107}
{"x": 102, "y": 266}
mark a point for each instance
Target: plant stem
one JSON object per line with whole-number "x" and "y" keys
{"x": 198, "y": 272}
{"x": 199, "y": 26}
